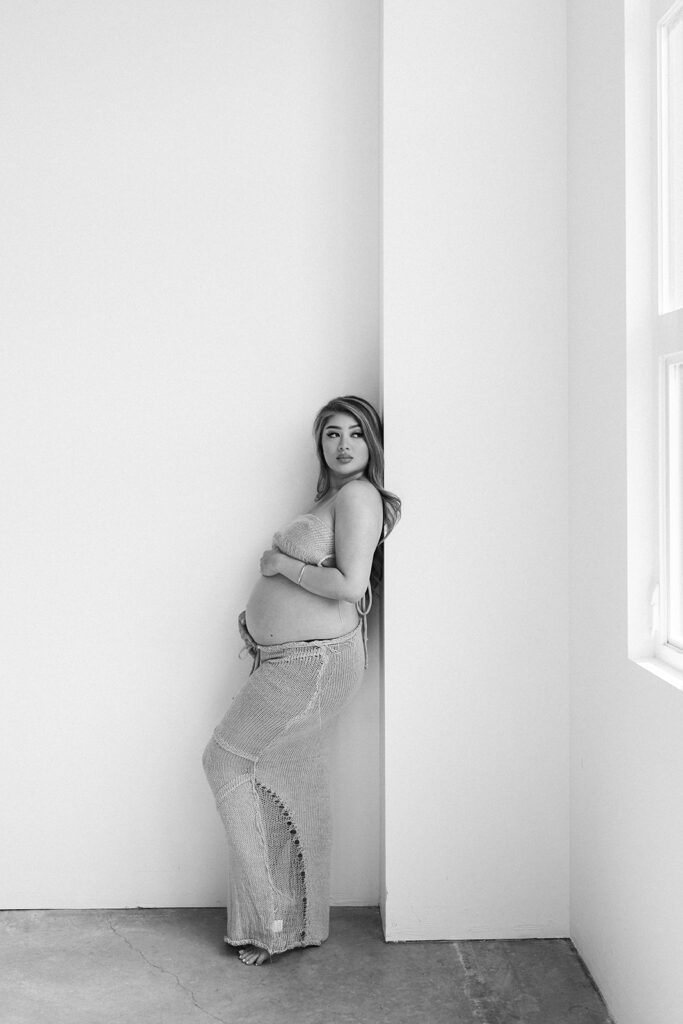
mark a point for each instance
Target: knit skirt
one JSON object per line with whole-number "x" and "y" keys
{"x": 267, "y": 764}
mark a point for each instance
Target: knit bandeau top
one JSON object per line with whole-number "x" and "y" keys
{"x": 308, "y": 538}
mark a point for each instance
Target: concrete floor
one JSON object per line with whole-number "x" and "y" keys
{"x": 167, "y": 966}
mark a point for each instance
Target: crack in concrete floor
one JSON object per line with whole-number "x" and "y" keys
{"x": 164, "y": 970}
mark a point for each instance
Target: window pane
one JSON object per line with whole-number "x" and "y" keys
{"x": 671, "y": 135}
{"x": 675, "y": 504}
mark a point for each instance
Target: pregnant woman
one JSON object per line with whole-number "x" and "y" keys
{"x": 305, "y": 626}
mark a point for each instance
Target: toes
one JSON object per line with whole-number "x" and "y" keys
{"x": 252, "y": 956}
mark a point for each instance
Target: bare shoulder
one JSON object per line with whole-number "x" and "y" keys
{"x": 359, "y": 496}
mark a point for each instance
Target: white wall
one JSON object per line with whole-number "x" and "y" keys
{"x": 190, "y": 268}
{"x": 476, "y": 700}
{"x": 627, "y": 760}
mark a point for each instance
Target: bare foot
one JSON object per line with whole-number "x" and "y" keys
{"x": 253, "y": 956}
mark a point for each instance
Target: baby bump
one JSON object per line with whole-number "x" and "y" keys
{"x": 278, "y": 611}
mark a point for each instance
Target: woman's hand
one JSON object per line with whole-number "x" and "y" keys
{"x": 270, "y": 562}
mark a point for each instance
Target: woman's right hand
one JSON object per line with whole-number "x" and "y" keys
{"x": 270, "y": 562}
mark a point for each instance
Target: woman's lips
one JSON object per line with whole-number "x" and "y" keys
{"x": 345, "y": 458}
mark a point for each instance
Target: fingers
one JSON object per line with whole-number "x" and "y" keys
{"x": 267, "y": 564}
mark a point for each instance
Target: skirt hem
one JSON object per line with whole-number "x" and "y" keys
{"x": 268, "y": 950}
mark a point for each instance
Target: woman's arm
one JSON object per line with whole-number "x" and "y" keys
{"x": 357, "y": 530}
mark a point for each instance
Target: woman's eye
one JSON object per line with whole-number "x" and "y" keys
{"x": 333, "y": 433}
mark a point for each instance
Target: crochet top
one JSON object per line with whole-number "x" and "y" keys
{"x": 309, "y": 539}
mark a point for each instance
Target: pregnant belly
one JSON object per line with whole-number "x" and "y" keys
{"x": 279, "y": 611}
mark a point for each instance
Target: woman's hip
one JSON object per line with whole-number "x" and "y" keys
{"x": 293, "y": 687}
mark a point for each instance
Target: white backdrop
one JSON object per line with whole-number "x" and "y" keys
{"x": 190, "y": 269}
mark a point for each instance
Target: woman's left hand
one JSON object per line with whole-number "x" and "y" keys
{"x": 269, "y": 564}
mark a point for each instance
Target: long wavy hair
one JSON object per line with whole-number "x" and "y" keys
{"x": 368, "y": 418}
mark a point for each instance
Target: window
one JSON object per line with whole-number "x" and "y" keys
{"x": 670, "y": 131}
{"x": 668, "y": 331}
{"x": 671, "y": 626}
{"x": 654, "y": 327}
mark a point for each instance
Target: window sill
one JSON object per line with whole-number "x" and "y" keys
{"x": 661, "y": 669}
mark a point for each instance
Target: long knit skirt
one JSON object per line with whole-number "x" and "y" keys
{"x": 267, "y": 764}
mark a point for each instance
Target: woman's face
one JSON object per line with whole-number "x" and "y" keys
{"x": 344, "y": 446}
